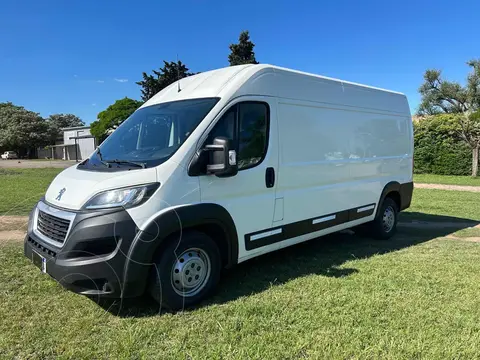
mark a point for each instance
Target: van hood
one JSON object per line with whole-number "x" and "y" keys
{"x": 72, "y": 188}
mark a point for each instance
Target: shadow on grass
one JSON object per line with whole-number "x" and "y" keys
{"x": 416, "y": 217}
{"x": 323, "y": 256}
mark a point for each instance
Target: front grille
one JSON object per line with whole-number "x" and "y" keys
{"x": 53, "y": 227}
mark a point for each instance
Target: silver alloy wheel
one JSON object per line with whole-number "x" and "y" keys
{"x": 190, "y": 272}
{"x": 388, "y": 220}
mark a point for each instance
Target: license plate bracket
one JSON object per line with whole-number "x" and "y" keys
{"x": 39, "y": 261}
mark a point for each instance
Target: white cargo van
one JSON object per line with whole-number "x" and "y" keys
{"x": 217, "y": 169}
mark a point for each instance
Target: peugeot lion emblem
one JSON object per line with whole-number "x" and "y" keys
{"x": 60, "y": 193}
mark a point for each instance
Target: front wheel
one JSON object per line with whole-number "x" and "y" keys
{"x": 186, "y": 271}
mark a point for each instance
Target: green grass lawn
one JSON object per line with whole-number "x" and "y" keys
{"x": 341, "y": 296}
{"x": 336, "y": 298}
{"x": 22, "y": 188}
{"x": 450, "y": 203}
{"x": 446, "y": 180}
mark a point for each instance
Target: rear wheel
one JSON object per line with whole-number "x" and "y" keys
{"x": 385, "y": 224}
{"x": 186, "y": 271}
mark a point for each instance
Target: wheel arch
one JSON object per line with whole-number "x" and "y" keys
{"x": 392, "y": 189}
{"x": 212, "y": 219}
{"x": 400, "y": 193}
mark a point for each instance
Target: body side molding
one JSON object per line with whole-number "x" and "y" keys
{"x": 269, "y": 236}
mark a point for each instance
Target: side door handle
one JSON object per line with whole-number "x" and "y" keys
{"x": 270, "y": 177}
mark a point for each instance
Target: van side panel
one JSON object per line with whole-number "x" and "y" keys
{"x": 335, "y": 158}
{"x": 310, "y": 179}
{"x": 305, "y": 87}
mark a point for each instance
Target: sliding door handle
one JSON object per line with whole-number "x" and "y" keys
{"x": 269, "y": 177}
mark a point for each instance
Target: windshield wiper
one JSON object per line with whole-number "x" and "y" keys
{"x": 136, "y": 163}
{"x": 99, "y": 154}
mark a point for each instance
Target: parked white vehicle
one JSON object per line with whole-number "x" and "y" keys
{"x": 9, "y": 155}
{"x": 217, "y": 169}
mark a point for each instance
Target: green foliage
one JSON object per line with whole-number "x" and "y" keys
{"x": 22, "y": 130}
{"x": 60, "y": 121}
{"x": 469, "y": 130}
{"x": 113, "y": 116}
{"x": 242, "y": 53}
{"x": 441, "y": 96}
{"x": 438, "y": 147}
{"x": 445, "y": 97}
{"x": 473, "y": 83}
{"x": 165, "y": 76}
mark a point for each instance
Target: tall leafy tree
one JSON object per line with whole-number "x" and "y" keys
{"x": 65, "y": 120}
{"x": 469, "y": 131}
{"x": 113, "y": 116}
{"x": 58, "y": 121}
{"x": 242, "y": 53}
{"x": 473, "y": 85}
{"x": 22, "y": 130}
{"x": 160, "y": 79}
{"x": 440, "y": 96}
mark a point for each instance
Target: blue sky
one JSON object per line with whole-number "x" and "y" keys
{"x": 80, "y": 56}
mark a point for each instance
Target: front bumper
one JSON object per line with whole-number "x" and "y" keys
{"x": 94, "y": 256}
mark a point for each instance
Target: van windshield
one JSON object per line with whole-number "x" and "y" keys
{"x": 152, "y": 134}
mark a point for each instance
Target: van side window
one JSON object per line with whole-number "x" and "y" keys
{"x": 246, "y": 124}
{"x": 225, "y": 127}
{"x": 252, "y": 139}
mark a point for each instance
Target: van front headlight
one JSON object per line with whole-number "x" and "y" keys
{"x": 124, "y": 197}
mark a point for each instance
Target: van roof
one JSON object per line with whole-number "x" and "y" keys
{"x": 202, "y": 85}
{"x": 332, "y": 79}
{"x": 255, "y": 80}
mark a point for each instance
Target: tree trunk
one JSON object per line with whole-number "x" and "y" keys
{"x": 474, "y": 161}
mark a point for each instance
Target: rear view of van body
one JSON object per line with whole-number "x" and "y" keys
{"x": 222, "y": 167}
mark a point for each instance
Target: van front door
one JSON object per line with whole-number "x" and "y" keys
{"x": 249, "y": 196}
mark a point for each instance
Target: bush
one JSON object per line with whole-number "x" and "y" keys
{"x": 438, "y": 149}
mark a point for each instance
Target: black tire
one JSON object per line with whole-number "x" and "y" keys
{"x": 381, "y": 228}
{"x": 171, "y": 258}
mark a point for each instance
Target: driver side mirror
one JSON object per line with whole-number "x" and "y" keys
{"x": 222, "y": 158}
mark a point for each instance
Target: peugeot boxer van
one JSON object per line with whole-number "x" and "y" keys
{"x": 219, "y": 168}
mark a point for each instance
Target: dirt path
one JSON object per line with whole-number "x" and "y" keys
{"x": 36, "y": 164}
{"x": 8, "y": 223}
{"x": 472, "y": 238}
{"x": 11, "y": 235}
{"x": 12, "y": 228}
{"x": 448, "y": 187}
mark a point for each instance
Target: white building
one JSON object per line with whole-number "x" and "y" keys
{"x": 75, "y": 143}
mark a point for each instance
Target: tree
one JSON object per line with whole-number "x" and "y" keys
{"x": 441, "y": 96}
{"x": 22, "y": 130}
{"x": 165, "y": 76}
{"x": 449, "y": 97}
{"x": 113, "y": 116}
{"x": 242, "y": 53}
{"x": 58, "y": 121}
{"x": 64, "y": 120}
{"x": 469, "y": 131}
